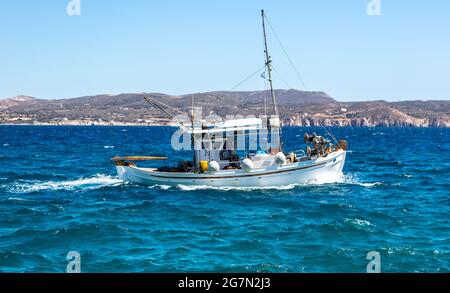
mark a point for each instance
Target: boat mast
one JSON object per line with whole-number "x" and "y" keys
{"x": 272, "y": 92}
{"x": 269, "y": 65}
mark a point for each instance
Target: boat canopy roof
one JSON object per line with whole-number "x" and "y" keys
{"x": 242, "y": 122}
{"x": 231, "y": 125}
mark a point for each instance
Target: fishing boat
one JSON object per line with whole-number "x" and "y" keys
{"x": 226, "y": 161}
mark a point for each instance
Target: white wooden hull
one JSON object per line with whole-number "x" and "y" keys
{"x": 295, "y": 173}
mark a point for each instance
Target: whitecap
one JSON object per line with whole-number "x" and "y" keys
{"x": 371, "y": 184}
{"x": 95, "y": 182}
{"x": 353, "y": 180}
{"x": 402, "y": 250}
{"x": 18, "y": 199}
{"x": 358, "y": 222}
{"x": 160, "y": 186}
{"x": 108, "y": 146}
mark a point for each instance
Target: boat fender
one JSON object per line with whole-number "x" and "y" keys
{"x": 214, "y": 166}
{"x": 203, "y": 166}
{"x": 247, "y": 164}
{"x": 280, "y": 158}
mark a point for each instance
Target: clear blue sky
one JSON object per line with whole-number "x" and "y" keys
{"x": 177, "y": 47}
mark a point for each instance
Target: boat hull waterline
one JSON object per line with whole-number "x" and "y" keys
{"x": 295, "y": 173}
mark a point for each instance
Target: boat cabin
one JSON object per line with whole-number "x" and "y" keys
{"x": 225, "y": 144}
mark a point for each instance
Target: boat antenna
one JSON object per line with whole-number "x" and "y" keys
{"x": 192, "y": 111}
{"x": 269, "y": 65}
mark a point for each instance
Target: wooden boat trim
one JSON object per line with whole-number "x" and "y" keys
{"x": 138, "y": 158}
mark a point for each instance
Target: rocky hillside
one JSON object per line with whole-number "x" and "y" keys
{"x": 296, "y": 107}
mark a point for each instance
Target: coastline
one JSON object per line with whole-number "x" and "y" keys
{"x": 134, "y": 124}
{"x": 85, "y": 124}
{"x": 298, "y": 108}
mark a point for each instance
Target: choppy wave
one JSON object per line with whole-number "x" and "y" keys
{"x": 18, "y": 199}
{"x": 49, "y": 205}
{"x": 358, "y": 222}
{"x": 90, "y": 183}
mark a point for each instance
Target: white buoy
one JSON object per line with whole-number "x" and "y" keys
{"x": 247, "y": 164}
{"x": 280, "y": 158}
{"x": 214, "y": 166}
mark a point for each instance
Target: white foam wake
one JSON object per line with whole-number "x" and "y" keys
{"x": 100, "y": 180}
{"x": 327, "y": 179}
{"x": 354, "y": 180}
{"x": 95, "y": 182}
{"x": 238, "y": 188}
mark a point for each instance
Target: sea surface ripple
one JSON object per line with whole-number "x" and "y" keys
{"x": 59, "y": 193}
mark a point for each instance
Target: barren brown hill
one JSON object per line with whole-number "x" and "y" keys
{"x": 296, "y": 107}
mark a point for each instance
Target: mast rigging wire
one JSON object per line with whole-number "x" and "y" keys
{"x": 246, "y": 79}
{"x": 329, "y": 132}
{"x": 155, "y": 104}
{"x": 286, "y": 53}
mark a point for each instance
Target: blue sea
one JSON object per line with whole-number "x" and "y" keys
{"x": 59, "y": 193}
